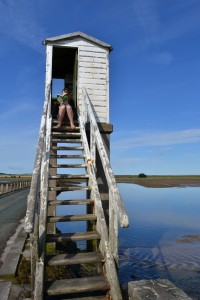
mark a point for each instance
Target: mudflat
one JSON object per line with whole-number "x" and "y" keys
{"x": 161, "y": 181}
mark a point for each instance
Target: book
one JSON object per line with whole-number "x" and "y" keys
{"x": 61, "y": 99}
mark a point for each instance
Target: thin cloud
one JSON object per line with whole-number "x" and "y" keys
{"x": 146, "y": 14}
{"x": 154, "y": 29}
{"x": 17, "y": 21}
{"x": 142, "y": 138}
{"x": 15, "y": 168}
{"x": 164, "y": 58}
{"x": 17, "y": 110}
{"x": 181, "y": 22}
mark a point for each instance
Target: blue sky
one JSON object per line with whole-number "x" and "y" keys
{"x": 154, "y": 79}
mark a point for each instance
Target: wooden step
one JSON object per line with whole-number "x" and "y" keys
{"x": 70, "y": 188}
{"x": 64, "y": 128}
{"x": 65, "y": 134}
{"x": 65, "y": 123}
{"x": 78, "y": 285}
{"x": 66, "y": 148}
{"x": 67, "y": 156}
{"x": 77, "y": 236}
{"x": 66, "y": 141}
{"x": 86, "y": 298}
{"x": 69, "y": 166}
{"x": 68, "y": 218}
{"x": 69, "y": 176}
{"x": 71, "y": 202}
{"x": 75, "y": 258}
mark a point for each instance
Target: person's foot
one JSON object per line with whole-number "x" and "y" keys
{"x": 59, "y": 126}
{"x": 72, "y": 126}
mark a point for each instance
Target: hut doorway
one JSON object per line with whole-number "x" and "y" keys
{"x": 64, "y": 72}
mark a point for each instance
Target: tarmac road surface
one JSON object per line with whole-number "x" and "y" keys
{"x": 12, "y": 210}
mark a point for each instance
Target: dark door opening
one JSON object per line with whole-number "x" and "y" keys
{"x": 64, "y": 73}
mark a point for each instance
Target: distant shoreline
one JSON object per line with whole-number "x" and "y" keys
{"x": 161, "y": 181}
{"x": 153, "y": 181}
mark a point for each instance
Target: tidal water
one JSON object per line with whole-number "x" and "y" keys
{"x": 163, "y": 238}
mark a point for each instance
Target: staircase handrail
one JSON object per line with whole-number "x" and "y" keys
{"x": 104, "y": 245}
{"x": 116, "y": 199}
{"x": 32, "y": 200}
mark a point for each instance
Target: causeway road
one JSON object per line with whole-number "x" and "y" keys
{"x": 12, "y": 210}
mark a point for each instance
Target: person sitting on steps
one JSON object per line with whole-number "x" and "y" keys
{"x": 65, "y": 106}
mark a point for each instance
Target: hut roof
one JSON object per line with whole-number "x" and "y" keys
{"x": 77, "y": 34}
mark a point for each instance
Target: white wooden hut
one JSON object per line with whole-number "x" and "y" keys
{"x": 81, "y": 61}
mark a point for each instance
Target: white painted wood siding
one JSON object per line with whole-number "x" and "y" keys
{"x": 93, "y": 74}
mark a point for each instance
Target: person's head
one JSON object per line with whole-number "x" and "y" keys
{"x": 67, "y": 91}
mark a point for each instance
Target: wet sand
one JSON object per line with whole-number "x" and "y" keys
{"x": 161, "y": 181}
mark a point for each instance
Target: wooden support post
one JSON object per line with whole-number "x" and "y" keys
{"x": 113, "y": 232}
{"x": 51, "y": 227}
{"x": 105, "y": 130}
{"x": 1, "y": 189}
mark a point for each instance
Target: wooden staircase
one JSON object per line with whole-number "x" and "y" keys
{"x": 64, "y": 143}
{"x": 74, "y": 246}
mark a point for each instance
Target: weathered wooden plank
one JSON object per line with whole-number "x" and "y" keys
{"x": 70, "y": 188}
{"x": 74, "y": 141}
{"x": 98, "y": 107}
{"x": 89, "y": 53}
{"x": 67, "y": 156}
{"x": 95, "y": 97}
{"x": 69, "y": 176}
{"x": 72, "y": 202}
{"x": 68, "y": 218}
{"x": 95, "y": 92}
{"x": 101, "y": 60}
{"x": 92, "y": 65}
{"x": 65, "y": 128}
{"x": 69, "y": 166}
{"x": 65, "y": 134}
{"x": 75, "y": 258}
{"x": 96, "y": 50}
{"x": 84, "y": 81}
{"x": 101, "y": 117}
{"x": 91, "y": 235}
{"x": 99, "y": 101}
{"x": 89, "y": 298}
{"x": 78, "y": 285}
{"x": 92, "y": 75}
{"x": 87, "y": 69}
{"x": 66, "y": 148}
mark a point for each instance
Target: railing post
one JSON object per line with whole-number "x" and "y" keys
{"x": 1, "y": 190}
{"x": 113, "y": 231}
{"x": 92, "y": 145}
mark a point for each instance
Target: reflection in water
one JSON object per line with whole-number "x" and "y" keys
{"x": 149, "y": 248}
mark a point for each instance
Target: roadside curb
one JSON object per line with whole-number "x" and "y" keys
{"x": 10, "y": 261}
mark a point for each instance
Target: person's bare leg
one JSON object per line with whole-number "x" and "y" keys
{"x": 70, "y": 115}
{"x": 61, "y": 114}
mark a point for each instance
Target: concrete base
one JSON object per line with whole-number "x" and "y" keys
{"x": 12, "y": 253}
{"x": 159, "y": 289}
{"x": 5, "y": 288}
{"x": 10, "y": 260}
